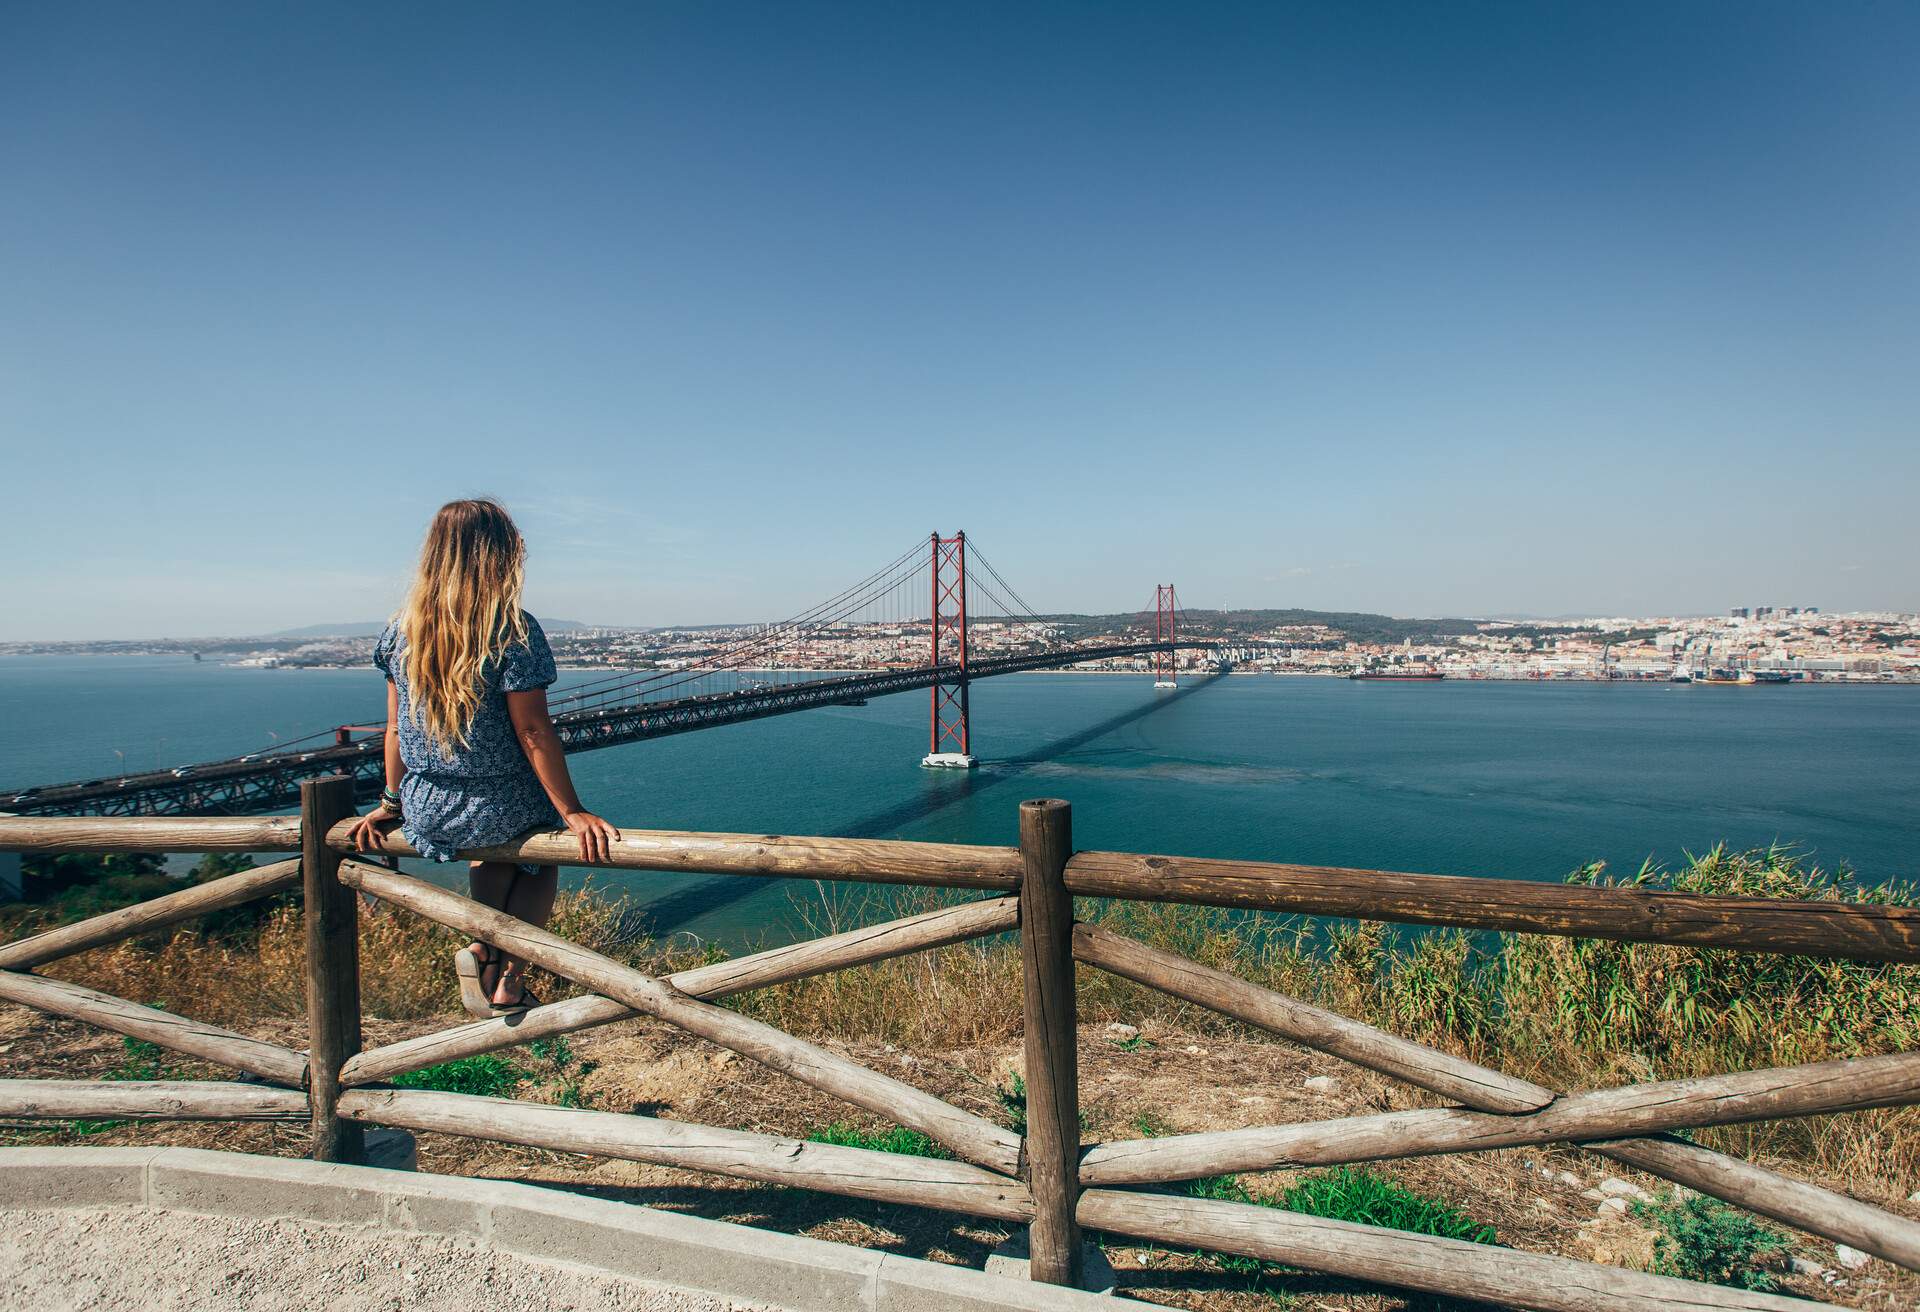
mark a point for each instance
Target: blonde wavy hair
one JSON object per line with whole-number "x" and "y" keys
{"x": 463, "y": 611}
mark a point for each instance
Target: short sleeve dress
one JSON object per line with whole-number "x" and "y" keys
{"x": 486, "y": 792}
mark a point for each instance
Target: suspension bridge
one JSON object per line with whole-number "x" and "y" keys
{"x": 925, "y": 620}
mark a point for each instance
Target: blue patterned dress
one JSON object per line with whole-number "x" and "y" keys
{"x": 486, "y": 792}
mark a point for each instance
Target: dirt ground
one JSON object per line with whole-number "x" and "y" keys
{"x": 1548, "y": 1201}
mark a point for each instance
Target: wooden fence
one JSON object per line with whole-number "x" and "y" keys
{"x": 1046, "y": 1179}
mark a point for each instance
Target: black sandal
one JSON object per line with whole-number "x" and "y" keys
{"x": 525, "y": 1002}
{"x": 471, "y": 968}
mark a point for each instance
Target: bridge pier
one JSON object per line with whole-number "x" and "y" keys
{"x": 1164, "y": 673}
{"x": 950, "y": 745}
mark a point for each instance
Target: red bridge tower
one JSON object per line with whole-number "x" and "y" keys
{"x": 1163, "y": 609}
{"x": 950, "y": 742}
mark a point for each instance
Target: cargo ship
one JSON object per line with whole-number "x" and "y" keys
{"x": 1742, "y": 678}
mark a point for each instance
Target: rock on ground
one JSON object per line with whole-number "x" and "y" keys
{"x": 138, "y": 1258}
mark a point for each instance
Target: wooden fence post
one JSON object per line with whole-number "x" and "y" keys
{"x": 1053, "y": 1076}
{"x": 333, "y": 968}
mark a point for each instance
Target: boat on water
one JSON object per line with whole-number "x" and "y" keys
{"x": 1726, "y": 677}
{"x": 1398, "y": 675}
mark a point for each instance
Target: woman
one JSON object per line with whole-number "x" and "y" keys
{"x": 472, "y": 758}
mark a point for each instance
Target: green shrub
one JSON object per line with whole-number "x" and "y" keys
{"x": 1341, "y": 1194}
{"x": 1013, "y": 1102}
{"x": 1151, "y": 1125}
{"x": 1013, "y": 1105}
{"x": 143, "y": 1061}
{"x": 1700, "y": 1238}
{"x": 485, "y": 1076}
{"x": 896, "y": 1139}
{"x": 1368, "y": 1198}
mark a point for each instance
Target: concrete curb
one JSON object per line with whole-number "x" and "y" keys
{"x": 789, "y": 1271}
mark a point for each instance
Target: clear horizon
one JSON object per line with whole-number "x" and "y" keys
{"x": 1395, "y": 308}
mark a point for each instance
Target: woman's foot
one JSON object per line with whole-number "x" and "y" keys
{"x": 512, "y": 994}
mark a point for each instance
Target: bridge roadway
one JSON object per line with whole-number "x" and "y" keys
{"x": 271, "y": 782}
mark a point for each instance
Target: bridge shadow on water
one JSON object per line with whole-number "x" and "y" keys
{"x": 666, "y": 915}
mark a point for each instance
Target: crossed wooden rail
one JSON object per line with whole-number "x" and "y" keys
{"x": 1047, "y": 1179}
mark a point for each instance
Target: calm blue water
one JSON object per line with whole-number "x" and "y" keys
{"x": 1521, "y": 780}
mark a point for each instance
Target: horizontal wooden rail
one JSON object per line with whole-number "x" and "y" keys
{"x": 150, "y": 1100}
{"x": 972, "y": 1137}
{"x": 1847, "y": 1085}
{"x": 194, "y": 1038}
{"x": 849, "y": 860}
{"x": 855, "y": 1172}
{"x": 1849, "y": 930}
{"x": 721, "y": 979}
{"x": 1451, "y": 1267}
{"x": 142, "y": 917}
{"x": 226, "y": 833}
{"x": 1818, "y": 1211}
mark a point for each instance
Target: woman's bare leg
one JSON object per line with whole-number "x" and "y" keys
{"x": 489, "y": 883}
{"x": 530, "y": 898}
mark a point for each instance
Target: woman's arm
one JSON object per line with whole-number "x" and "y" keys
{"x": 534, "y": 725}
{"x": 366, "y": 834}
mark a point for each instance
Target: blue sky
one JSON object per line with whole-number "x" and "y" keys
{"x": 1414, "y": 308}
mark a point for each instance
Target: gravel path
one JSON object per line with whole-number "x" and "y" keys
{"x": 138, "y": 1258}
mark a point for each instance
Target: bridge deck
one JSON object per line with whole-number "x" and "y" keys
{"x": 271, "y": 781}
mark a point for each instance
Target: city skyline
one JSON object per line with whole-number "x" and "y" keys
{"x": 989, "y": 619}
{"x": 1413, "y": 310}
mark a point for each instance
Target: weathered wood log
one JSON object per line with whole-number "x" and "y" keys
{"x": 226, "y": 833}
{"x": 1818, "y": 1211}
{"x": 1813, "y": 1209}
{"x": 332, "y": 922}
{"x": 1633, "y": 1111}
{"x": 1854, "y": 931}
{"x": 720, "y": 979}
{"x": 153, "y": 1100}
{"x": 170, "y": 909}
{"x": 850, "y": 860}
{"x": 1315, "y": 1027}
{"x": 972, "y": 1137}
{"x": 1450, "y": 1267}
{"x": 1053, "y": 1063}
{"x": 855, "y": 1172}
{"x": 194, "y": 1038}
{"x": 855, "y": 947}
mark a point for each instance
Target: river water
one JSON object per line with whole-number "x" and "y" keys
{"x": 1518, "y": 780}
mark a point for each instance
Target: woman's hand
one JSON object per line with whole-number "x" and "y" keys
{"x": 371, "y": 828}
{"x": 596, "y": 835}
